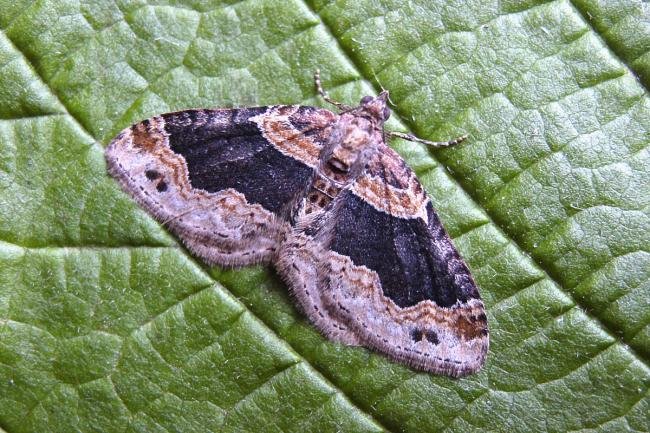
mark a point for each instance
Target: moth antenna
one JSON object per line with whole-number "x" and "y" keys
{"x": 383, "y": 89}
{"x": 325, "y": 96}
{"x": 411, "y": 137}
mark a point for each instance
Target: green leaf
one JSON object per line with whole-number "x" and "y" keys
{"x": 108, "y": 324}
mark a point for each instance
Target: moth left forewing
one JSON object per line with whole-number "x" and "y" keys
{"x": 222, "y": 180}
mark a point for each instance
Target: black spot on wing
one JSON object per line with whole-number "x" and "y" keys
{"x": 229, "y": 151}
{"x": 416, "y": 334}
{"x": 432, "y": 337}
{"x": 161, "y": 186}
{"x": 410, "y": 261}
{"x": 152, "y": 174}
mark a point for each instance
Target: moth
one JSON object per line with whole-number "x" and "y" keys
{"x": 321, "y": 197}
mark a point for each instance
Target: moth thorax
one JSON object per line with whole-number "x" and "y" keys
{"x": 341, "y": 161}
{"x": 348, "y": 153}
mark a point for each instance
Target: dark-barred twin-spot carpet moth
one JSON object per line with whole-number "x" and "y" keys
{"x": 336, "y": 211}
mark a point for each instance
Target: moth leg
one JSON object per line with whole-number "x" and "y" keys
{"x": 411, "y": 137}
{"x": 325, "y": 96}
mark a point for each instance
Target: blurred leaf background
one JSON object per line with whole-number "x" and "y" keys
{"x": 107, "y": 324}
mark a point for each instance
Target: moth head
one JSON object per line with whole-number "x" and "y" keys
{"x": 376, "y": 107}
